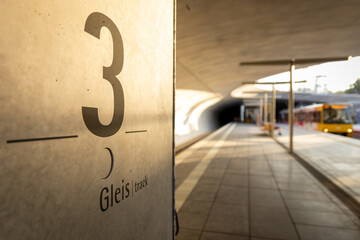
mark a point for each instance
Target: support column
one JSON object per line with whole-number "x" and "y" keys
{"x": 261, "y": 113}
{"x": 273, "y": 115}
{"x": 291, "y": 108}
{"x": 265, "y": 108}
{"x": 242, "y": 113}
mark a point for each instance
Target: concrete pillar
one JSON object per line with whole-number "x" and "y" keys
{"x": 260, "y": 112}
{"x": 242, "y": 113}
{"x": 86, "y": 128}
{"x": 273, "y": 112}
{"x": 265, "y": 108}
{"x": 291, "y": 108}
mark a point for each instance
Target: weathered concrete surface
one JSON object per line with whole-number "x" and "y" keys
{"x": 214, "y": 36}
{"x": 50, "y": 69}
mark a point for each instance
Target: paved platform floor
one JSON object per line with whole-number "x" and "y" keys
{"x": 337, "y": 157}
{"x": 239, "y": 184}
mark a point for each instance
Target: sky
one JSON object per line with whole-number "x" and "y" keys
{"x": 333, "y": 76}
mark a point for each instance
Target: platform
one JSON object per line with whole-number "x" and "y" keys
{"x": 238, "y": 183}
{"x": 337, "y": 157}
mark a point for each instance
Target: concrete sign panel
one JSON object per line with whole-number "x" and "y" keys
{"x": 86, "y": 119}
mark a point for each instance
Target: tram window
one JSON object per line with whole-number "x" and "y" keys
{"x": 301, "y": 117}
{"x": 337, "y": 116}
{"x": 316, "y": 116}
{"x": 312, "y": 116}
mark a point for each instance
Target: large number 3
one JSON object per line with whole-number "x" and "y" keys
{"x": 93, "y": 25}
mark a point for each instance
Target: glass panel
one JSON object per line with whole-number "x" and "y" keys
{"x": 337, "y": 115}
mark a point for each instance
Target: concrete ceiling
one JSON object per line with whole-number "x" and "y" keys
{"x": 213, "y": 36}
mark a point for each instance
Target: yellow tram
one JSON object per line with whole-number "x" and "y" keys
{"x": 329, "y": 118}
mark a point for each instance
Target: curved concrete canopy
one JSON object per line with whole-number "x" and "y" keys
{"x": 213, "y": 36}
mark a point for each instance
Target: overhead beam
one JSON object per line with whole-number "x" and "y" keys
{"x": 291, "y": 63}
{"x": 272, "y": 83}
{"x": 294, "y": 61}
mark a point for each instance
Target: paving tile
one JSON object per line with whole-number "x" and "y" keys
{"x": 283, "y": 171}
{"x": 322, "y": 219}
{"x": 299, "y": 187}
{"x": 262, "y": 182}
{"x": 214, "y": 173}
{"x": 289, "y": 174}
{"x": 271, "y": 223}
{"x": 201, "y": 185}
{"x": 347, "y": 212}
{"x": 286, "y": 166}
{"x": 233, "y": 179}
{"x": 259, "y": 168}
{"x": 227, "y": 218}
{"x": 233, "y": 195}
{"x": 238, "y": 166}
{"x": 194, "y": 221}
{"x": 179, "y": 181}
{"x": 197, "y": 207}
{"x": 203, "y": 192}
{"x": 221, "y": 236}
{"x": 254, "y": 163}
{"x": 183, "y": 169}
{"x": 312, "y": 205}
{"x": 196, "y": 155}
{"x": 265, "y": 198}
{"x": 305, "y": 195}
{"x": 210, "y": 181}
{"x": 285, "y": 161}
{"x": 256, "y": 238}
{"x": 324, "y": 233}
{"x": 295, "y": 180}
{"x": 218, "y": 164}
{"x": 261, "y": 172}
{"x": 187, "y": 234}
{"x": 256, "y": 154}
